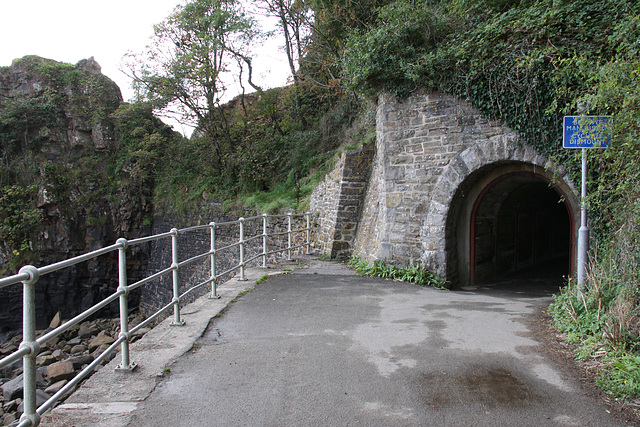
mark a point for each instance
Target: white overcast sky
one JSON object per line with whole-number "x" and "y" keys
{"x": 71, "y": 30}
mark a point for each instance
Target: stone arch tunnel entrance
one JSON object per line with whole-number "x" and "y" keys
{"x": 510, "y": 219}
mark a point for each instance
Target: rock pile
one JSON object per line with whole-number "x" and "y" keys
{"x": 59, "y": 360}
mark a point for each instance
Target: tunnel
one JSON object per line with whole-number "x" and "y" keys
{"x": 520, "y": 223}
{"x": 510, "y": 219}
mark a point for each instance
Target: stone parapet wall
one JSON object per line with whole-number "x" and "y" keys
{"x": 324, "y": 207}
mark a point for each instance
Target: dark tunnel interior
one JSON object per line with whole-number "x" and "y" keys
{"x": 521, "y": 226}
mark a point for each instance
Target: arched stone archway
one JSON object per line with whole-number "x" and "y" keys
{"x": 495, "y": 172}
{"x": 413, "y": 198}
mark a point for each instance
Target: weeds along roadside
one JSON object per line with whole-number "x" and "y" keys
{"x": 603, "y": 318}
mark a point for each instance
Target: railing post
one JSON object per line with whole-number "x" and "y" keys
{"x": 242, "y": 277}
{"x": 308, "y": 215}
{"x": 126, "y": 364}
{"x": 264, "y": 240}
{"x": 214, "y": 280}
{"x": 29, "y": 340}
{"x": 289, "y": 237}
{"x": 176, "y": 279}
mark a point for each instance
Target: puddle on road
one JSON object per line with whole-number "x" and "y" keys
{"x": 496, "y": 385}
{"x": 488, "y": 387}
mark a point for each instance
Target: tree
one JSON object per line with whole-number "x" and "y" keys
{"x": 191, "y": 60}
{"x": 333, "y": 21}
{"x": 294, "y": 18}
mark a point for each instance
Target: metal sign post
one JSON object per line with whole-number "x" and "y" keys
{"x": 584, "y": 132}
{"x": 583, "y": 232}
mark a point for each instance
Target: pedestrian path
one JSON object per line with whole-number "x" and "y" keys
{"x": 321, "y": 346}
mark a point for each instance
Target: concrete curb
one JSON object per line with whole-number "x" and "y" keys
{"x": 109, "y": 398}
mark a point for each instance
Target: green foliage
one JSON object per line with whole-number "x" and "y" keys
{"x": 333, "y": 21}
{"x": 184, "y": 69}
{"x": 622, "y": 378}
{"x": 607, "y": 322}
{"x": 412, "y": 274}
{"x": 90, "y": 95}
{"x": 580, "y": 314}
{"x": 19, "y": 221}
{"x": 270, "y": 147}
{"x": 142, "y": 143}
{"x": 25, "y": 124}
{"x": 615, "y": 177}
{"x": 275, "y": 158}
{"x": 385, "y": 57}
{"x": 525, "y": 63}
{"x": 184, "y": 73}
{"x": 603, "y": 317}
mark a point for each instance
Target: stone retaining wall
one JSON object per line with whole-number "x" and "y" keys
{"x": 338, "y": 202}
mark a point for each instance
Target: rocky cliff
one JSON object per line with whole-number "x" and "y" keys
{"x": 66, "y": 187}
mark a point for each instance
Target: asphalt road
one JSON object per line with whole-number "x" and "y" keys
{"x": 324, "y": 347}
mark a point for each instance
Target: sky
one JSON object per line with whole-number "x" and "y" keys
{"x": 71, "y": 30}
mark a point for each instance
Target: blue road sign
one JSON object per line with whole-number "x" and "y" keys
{"x": 585, "y": 132}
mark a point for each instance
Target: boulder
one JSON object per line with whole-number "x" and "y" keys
{"x": 74, "y": 341}
{"x": 7, "y": 349}
{"x": 55, "y": 387}
{"x": 100, "y": 340}
{"x": 78, "y": 349}
{"x": 12, "y": 389}
{"x": 45, "y": 360}
{"x": 56, "y": 321}
{"x": 86, "y": 331}
{"x": 52, "y": 342}
{"x": 62, "y": 370}
{"x": 9, "y": 419}
{"x": 11, "y": 405}
{"x": 79, "y": 361}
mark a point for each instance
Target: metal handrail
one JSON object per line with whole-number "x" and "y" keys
{"x": 29, "y": 275}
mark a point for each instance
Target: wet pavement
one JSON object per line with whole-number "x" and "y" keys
{"x": 324, "y": 347}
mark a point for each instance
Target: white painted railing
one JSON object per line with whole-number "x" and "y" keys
{"x": 29, "y": 275}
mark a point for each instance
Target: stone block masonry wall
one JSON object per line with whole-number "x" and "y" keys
{"x": 338, "y": 202}
{"x": 324, "y": 207}
{"x": 430, "y": 149}
{"x": 417, "y": 139}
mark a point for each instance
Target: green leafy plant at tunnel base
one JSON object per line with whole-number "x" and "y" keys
{"x": 411, "y": 274}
